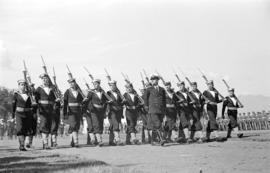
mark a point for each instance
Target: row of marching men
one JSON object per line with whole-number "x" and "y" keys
{"x": 159, "y": 107}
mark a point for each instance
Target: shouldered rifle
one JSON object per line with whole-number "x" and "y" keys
{"x": 109, "y": 79}
{"x": 77, "y": 86}
{"x": 146, "y": 76}
{"x": 92, "y": 79}
{"x": 206, "y": 80}
{"x": 50, "y": 81}
{"x": 135, "y": 92}
{"x": 228, "y": 87}
{"x": 29, "y": 85}
{"x": 142, "y": 80}
{"x": 86, "y": 84}
{"x": 176, "y": 75}
{"x": 57, "y": 90}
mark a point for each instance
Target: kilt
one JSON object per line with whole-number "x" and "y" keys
{"x": 212, "y": 114}
{"x": 184, "y": 115}
{"x": 55, "y": 122}
{"x": 171, "y": 115}
{"x": 45, "y": 122}
{"x": 115, "y": 119}
{"x": 131, "y": 117}
{"x": 24, "y": 124}
{"x": 74, "y": 121}
{"x": 232, "y": 114}
{"x": 196, "y": 116}
{"x": 97, "y": 119}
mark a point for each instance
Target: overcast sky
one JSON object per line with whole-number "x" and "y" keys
{"x": 229, "y": 38}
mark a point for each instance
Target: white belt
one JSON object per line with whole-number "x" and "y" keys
{"x": 170, "y": 105}
{"x": 20, "y": 109}
{"x": 97, "y": 106}
{"x": 73, "y": 104}
{"x": 131, "y": 107}
{"x": 212, "y": 103}
{"x": 45, "y": 102}
{"x": 232, "y": 108}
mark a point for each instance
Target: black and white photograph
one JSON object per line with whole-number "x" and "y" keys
{"x": 134, "y": 86}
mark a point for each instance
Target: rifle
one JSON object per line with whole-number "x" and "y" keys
{"x": 109, "y": 79}
{"x": 76, "y": 84}
{"x": 29, "y": 85}
{"x": 206, "y": 80}
{"x": 57, "y": 90}
{"x": 143, "y": 83}
{"x": 135, "y": 92}
{"x": 86, "y": 84}
{"x": 228, "y": 87}
{"x": 50, "y": 81}
{"x": 146, "y": 76}
{"x": 92, "y": 79}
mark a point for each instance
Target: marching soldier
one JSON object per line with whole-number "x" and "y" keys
{"x": 184, "y": 111}
{"x": 171, "y": 114}
{"x": 47, "y": 102}
{"x": 196, "y": 112}
{"x": 232, "y": 105}
{"x": 115, "y": 114}
{"x": 156, "y": 105}
{"x": 133, "y": 104}
{"x": 23, "y": 109}
{"x": 97, "y": 102}
{"x": 144, "y": 116}
{"x": 72, "y": 111}
{"x": 212, "y": 100}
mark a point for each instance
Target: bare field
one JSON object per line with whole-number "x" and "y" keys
{"x": 247, "y": 155}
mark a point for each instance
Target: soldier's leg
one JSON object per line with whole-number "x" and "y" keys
{"x": 89, "y": 128}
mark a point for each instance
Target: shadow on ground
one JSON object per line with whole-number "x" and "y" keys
{"x": 42, "y": 162}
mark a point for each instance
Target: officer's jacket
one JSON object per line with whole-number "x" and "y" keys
{"x": 155, "y": 100}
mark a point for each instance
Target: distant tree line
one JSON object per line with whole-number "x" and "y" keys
{"x": 5, "y": 102}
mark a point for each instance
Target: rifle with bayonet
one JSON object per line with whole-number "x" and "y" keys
{"x": 50, "y": 81}
{"x": 57, "y": 90}
{"x": 77, "y": 85}
{"x": 142, "y": 80}
{"x": 146, "y": 76}
{"x": 29, "y": 84}
{"x": 109, "y": 79}
{"x": 228, "y": 87}
{"x": 135, "y": 92}
{"x": 92, "y": 80}
{"x": 206, "y": 80}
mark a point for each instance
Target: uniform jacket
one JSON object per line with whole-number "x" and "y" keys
{"x": 72, "y": 105}
{"x": 45, "y": 101}
{"x": 18, "y": 101}
{"x": 228, "y": 103}
{"x": 155, "y": 100}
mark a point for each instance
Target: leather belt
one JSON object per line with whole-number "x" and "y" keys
{"x": 98, "y": 106}
{"x": 232, "y": 108}
{"x": 170, "y": 105}
{"x": 131, "y": 107}
{"x": 74, "y": 104}
{"x": 45, "y": 102}
{"x": 212, "y": 103}
{"x": 20, "y": 109}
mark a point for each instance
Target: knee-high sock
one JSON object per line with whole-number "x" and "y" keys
{"x": 216, "y": 133}
{"x": 174, "y": 134}
{"x": 92, "y": 137}
{"x": 99, "y": 137}
{"x": 200, "y": 134}
{"x": 21, "y": 140}
{"x": 133, "y": 136}
{"x": 75, "y": 137}
{"x": 45, "y": 138}
{"x": 146, "y": 134}
{"x": 54, "y": 138}
{"x": 186, "y": 132}
{"x": 116, "y": 136}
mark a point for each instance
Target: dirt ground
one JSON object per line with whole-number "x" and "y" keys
{"x": 247, "y": 155}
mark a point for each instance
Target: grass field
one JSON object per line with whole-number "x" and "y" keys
{"x": 247, "y": 155}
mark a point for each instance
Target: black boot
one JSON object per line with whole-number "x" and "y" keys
{"x": 229, "y": 133}
{"x": 128, "y": 139}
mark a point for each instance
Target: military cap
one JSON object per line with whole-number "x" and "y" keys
{"x": 112, "y": 82}
{"x": 194, "y": 83}
{"x": 71, "y": 80}
{"x": 97, "y": 81}
{"x": 21, "y": 81}
{"x": 43, "y": 75}
{"x": 167, "y": 83}
{"x": 128, "y": 85}
{"x": 181, "y": 83}
{"x": 231, "y": 89}
{"x": 154, "y": 76}
{"x": 210, "y": 82}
